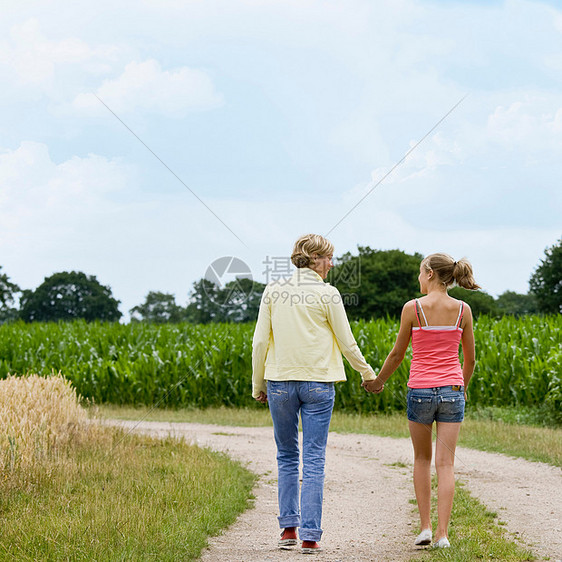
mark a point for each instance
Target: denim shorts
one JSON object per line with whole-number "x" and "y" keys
{"x": 441, "y": 404}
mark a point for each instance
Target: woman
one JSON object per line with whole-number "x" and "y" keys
{"x": 437, "y": 384}
{"x": 300, "y": 334}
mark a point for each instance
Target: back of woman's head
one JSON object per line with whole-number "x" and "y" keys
{"x": 450, "y": 271}
{"x": 308, "y": 247}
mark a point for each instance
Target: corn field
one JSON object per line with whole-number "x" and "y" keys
{"x": 519, "y": 362}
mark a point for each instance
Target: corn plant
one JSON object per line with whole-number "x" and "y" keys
{"x": 519, "y": 362}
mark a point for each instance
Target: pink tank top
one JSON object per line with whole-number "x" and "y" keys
{"x": 435, "y": 354}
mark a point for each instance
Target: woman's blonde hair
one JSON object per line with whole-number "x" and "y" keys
{"x": 309, "y": 247}
{"x": 449, "y": 271}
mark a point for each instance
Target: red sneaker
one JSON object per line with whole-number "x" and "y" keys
{"x": 310, "y": 547}
{"x": 288, "y": 538}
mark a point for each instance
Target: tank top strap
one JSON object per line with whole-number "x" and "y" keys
{"x": 461, "y": 311}
{"x": 418, "y": 303}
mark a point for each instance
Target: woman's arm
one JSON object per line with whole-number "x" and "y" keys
{"x": 396, "y": 356}
{"x": 260, "y": 345}
{"x": 468, "y": 351}
{"x": 337, "y": 318}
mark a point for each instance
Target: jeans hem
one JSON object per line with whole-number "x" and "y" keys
{"x": 310, "y": 534}
{"x": 290, "y": 521}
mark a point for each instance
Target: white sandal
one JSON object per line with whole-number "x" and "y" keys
{"x": 424, "y": 538}
{"x": 443, "y": 542}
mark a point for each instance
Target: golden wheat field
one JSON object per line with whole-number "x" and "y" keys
{"x": 38, "y": 416}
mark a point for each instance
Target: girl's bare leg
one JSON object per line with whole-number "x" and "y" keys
{"x": 447, "y": 435}
{"x": 421, "y": 439}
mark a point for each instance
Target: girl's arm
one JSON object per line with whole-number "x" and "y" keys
{"x": 468, "y": 351}
{"x": 396, "y": 356}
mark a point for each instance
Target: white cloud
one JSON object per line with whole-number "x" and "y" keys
{"x": 145, "y": 86}
{"x": 530, "y": 125}
{"x": 413, "y": 182}
{"x": 35, "y": 59}
{"x": 488, "y": 161}
{"x": 31, "y": 180}
{"x": 48, "y": 206}
{"x": 67, "y": 70}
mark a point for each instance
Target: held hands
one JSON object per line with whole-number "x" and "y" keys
{"x": 375, "y": 386}
{"x": 262, "y": 398}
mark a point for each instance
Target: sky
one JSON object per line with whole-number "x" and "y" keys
{"x": 141, "y": 141}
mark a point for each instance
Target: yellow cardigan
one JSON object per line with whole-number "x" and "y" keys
{"x": 301, "y": 333}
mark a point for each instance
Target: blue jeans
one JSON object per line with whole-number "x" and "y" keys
{"x": 314, "y": 401}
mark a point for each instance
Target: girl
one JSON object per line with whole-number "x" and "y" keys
{"x": 436, "y": 324}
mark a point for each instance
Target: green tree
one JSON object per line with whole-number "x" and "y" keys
{"x": 69, "y": 296}
{"x": 237, "y": 301}
{"x": 241, "y": 300}
{"x": 516, "y": 304}
{"x": 8, "y": 292}
{"x": 546, "y": 281}
{"x": 381, "y": 280}
{"x": 204, "y": 305}
{"x": 158, "y": 308}
{"x": 480, "y": 302}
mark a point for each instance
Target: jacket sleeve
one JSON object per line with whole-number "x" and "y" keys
{"x": 339, "y": 323}
{"x": 260, "y": 345}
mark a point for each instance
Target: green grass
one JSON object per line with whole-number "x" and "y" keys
{"x": 529, "y": 442}
{"x": 541, "y": 444}
{"x": 474, "y": 533}
{"x": 521, "y": 415}
{"x": 122, "y": 497}
{"x": 243, "y": 417}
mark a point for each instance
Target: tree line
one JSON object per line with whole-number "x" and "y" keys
{"x": 374, "y": 283}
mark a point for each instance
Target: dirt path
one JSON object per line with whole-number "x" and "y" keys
{"x": 367, "y": 514}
